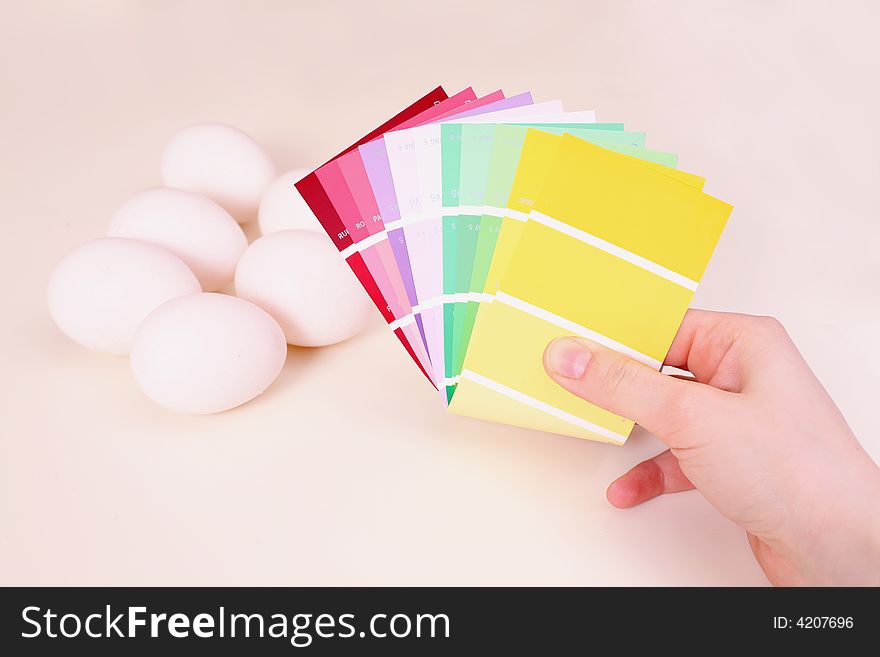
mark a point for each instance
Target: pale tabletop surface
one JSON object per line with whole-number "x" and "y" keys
{"x": 348, "y": 471}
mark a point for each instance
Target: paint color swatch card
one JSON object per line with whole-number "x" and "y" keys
{"x": 479, "y": 223}
{"x": 484, "y": 227}
{"x": 318, "y": 198}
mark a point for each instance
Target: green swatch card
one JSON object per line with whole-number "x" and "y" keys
{"x": 484, "y": 157}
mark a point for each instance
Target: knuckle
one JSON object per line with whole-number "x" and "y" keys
{"x": 617, "y": 376}
{"x": 770, "y": 324}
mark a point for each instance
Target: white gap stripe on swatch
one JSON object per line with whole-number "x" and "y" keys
{"x": 428, "y": 303}
{"x": 409, "y": 219}
{"x": 480, "y": 210}
{"x": 515, "y": 214}
{"x": 400, "y": 322}
{"x": 476, "y": 210}
{"x": 575, "y": 329}
{"x": 537, "y": 404}
{"x": 448, "y": 297}
{"x": 608, "y": 247}
{"x": 365, "y": 243}
{"x": 669, "y": 370}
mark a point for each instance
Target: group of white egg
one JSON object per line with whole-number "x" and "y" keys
{"x": 149, "y": 288}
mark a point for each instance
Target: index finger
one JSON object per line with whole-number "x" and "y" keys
{"x": 717, "y": 348}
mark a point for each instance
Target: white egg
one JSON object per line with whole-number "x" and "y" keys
{"x": 101, "y": 292}
{"x": 206, "y": 353}
{"x": 221, "y": 162}
{"x": 283, "y": 208}
{"x": 300, "y": 279}
{"x": 191, "y": 226}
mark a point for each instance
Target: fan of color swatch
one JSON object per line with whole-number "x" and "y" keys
{"x": 483, "y": 227}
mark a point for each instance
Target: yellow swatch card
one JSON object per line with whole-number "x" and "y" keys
{"x": 613, "y": 250}
{"x": 538, "y": 155}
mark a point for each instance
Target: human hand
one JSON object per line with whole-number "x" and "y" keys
{"x": 755, "y": 433}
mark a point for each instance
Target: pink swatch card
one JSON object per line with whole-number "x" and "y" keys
{"x": 418, "y": 226}
{"x": 348, "y": 188}
{"x": 362, "y": 223}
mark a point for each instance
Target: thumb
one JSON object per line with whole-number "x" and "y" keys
{"x": 621, "y": 385}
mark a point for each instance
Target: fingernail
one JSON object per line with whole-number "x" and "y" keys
{"x": 567, "y": 358}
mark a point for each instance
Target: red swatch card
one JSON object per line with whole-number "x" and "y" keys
{"x": 317, "y": 199}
